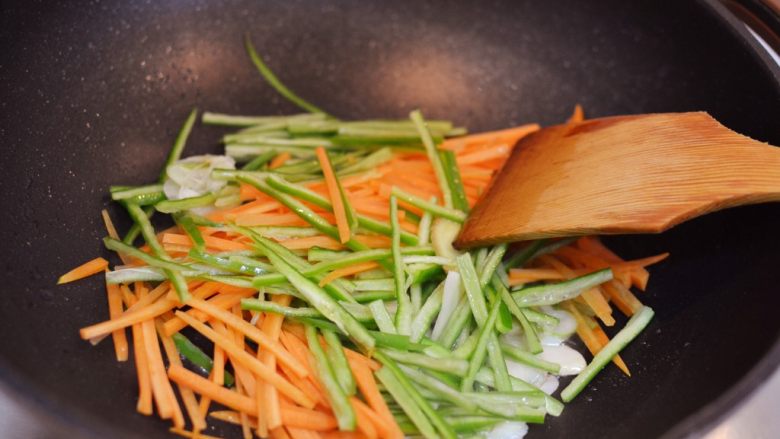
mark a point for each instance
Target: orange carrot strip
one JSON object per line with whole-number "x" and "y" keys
{"x": 111, "y": 230}
{"x": 593, "y": 245}
{"x": 640, "y": 263}
{"x": 622, "y": 297}
{"x": 86, "y": 269}
{"x": 519, "y": 276}
{"x": 363, "y": 415}
{"x": 272, "y": 327}
{"x": 242, "y": 357}
{"x": 308, "y": 242}
{"x": 297, "y": 417}
{"x": 279, "y": 433}
{"x": 262, "y": 339}
{"x": 348, "y": 271}
{"x": 306, "y": 385}
{"x": 127, "y": 319}
{"x": 243, "y": 418}
{"x": 586, "y": 330}
{"x": 231, "y": 417}
{"x": 592, "y": 297}
{"x": 115, "y": 310}
{"x": 373, "y": 241}
{"x": 501, "y": 151}
{"x": 211, "y": 242}
{"x": 299, "y": 349}
{"x": 382, "y": 426}
{"x": 510, "y": 135}
{"x": 577, "y": 115}
{"x": 373, "y": 365}
{"x": 246, "y": 380}
{"x": 253, "y": 219}
{"x": 144, "y": 405}
{"x": 279, "y": 160}
{"x": 368, "y": 388}
{"x": 157, "y": 372}
{"x": 332, "y": 184}
{"x": 217, "y": 376}
{"x": 257, "y": 206}
{"x": 213, "y": 391}
{"x": 249, "y": 192}
{"x": 300, "y": 433}
{"x": 222, "y": 301}
{"x": 187, "y": 395}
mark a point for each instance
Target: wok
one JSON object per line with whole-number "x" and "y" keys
{"x": 93, "y": 93}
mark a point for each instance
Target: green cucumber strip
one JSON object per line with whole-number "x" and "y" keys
{"x": 338, "y": 362}
{"x": 172, "y": 206}
{"x": 407, "y": 403}
{"x": 430, "y": 149}
{"x": 342, "y": 409}
{"x": 436, "y": 210}
{"x": 196, "y": 356}
{"x": 552, "y": 294}
{"x": 381, "y": 317}
{"x": 633, "y": 328}
{"x": 274, "y": 82}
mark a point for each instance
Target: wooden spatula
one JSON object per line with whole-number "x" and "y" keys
{"x": 624, "y": 174}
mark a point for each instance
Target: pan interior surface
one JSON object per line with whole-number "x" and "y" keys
{"x": 93, "y": 95}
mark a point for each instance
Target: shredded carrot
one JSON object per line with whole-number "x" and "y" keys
{"x": 115, "y": 310}
{"x": 298, "y": 348}
{"x": 500, "y": 151}
{"x": 187, "y": 395}
{"x": 511, "y": 136}
{"x": 577, "y": 115}
{"x": 260, "y": 337}
{"x": 363, "y": 414}
{"x": 382, "y": 425}
{"x": 622, "y": 297}
{"x": 348, "y": 271}
{"x": 161, "y": 388}
{"x": 222, "y": 301}
{"x": 308, "y": 242}
{"x": 370, "y": 391}
{"x": 213, "y": 391}
{"x": 279, "y": 433}
{"x": 297, "y": 417}
{"x": 354, "y": 356}
{"x": 211, "y": 242}
{"x": 86, "y": 269}
{"x": 240, "y": 356}
{"x": 300, "y": 433}
{"x": 519, "y": 276}
{"x": 592, "y": 297}
{"x": 267, "y": 396}
{"x": 144, "y": 405}
{"x": 339, "y": 209}
{"x": 127, "y": 319}
{"x": 589, "y": 336}
{"x": 252, "y": 219}
{"x": 279, "y": 160}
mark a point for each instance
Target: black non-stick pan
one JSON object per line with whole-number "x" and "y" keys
{"x": 91, "y": 94}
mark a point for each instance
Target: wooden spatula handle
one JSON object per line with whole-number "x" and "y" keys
{"x": 626, "y": 174}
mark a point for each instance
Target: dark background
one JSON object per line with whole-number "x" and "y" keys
{"x": 92, "y": 94}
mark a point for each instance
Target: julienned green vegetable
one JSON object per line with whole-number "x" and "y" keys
{"x": 633, "y": 328}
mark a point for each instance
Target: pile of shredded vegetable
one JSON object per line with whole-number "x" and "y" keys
{"x": 329, "y": 301}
